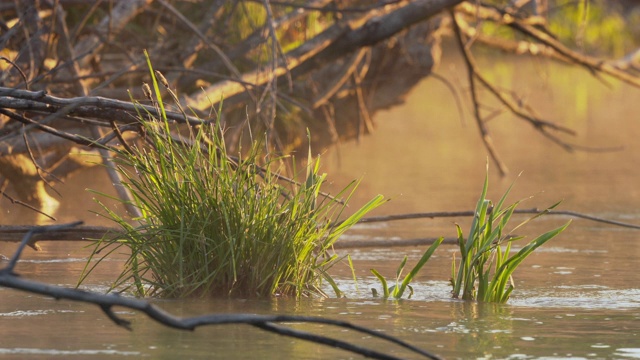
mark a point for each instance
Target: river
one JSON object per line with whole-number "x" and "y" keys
{"x": 576, "y": 298}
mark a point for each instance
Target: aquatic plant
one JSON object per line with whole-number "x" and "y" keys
{"x": 212, "y": 223}
{"x": 396, "y": 291}
{"x": 485, "y": 269}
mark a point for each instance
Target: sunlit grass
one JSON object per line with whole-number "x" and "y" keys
{"x": 397, "y": 291}
{"x": 484, "y": 272}
{"x": 214, "y": 224}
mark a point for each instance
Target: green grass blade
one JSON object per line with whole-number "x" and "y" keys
{"x": 353, "y": 271}
{"x": 400, "y": 268}
{"x": 383, "y": 282}
{"x": 423, "y": 260}
{"x": 515, "y": 260}
{"x": 353, "y": 219}
{"x": 156, "y": 88}
{"x": 505, "y": 271}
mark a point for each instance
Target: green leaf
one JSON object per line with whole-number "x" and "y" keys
{"x": 383, "y": 282}
{"x": 400, "y": 268}
{"x": 414, "y": 271}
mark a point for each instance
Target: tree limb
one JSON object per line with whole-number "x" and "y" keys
{"x": 88, "y": 106}
{"x": 337, "y": 41}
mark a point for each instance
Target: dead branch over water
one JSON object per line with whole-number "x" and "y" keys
{"x": 270, "y": 323}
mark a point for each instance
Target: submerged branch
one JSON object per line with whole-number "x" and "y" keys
{"x": 88, "y": 233}
{"x": 440, "y": 214}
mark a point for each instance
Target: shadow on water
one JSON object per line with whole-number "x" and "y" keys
{"x": 577, "y": 297}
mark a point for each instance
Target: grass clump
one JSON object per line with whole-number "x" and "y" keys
{"x": 485, "y": 269}
{"x": 212, "y": 225}
{"x": 216, "y": 224}
{"x": 397, "y": 291}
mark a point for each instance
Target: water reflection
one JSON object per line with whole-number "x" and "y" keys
{"x": 631, "y": 353}
{"x": 481, "y": 328}
{"x": 55, "y": 352}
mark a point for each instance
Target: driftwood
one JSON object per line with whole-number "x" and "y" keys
{"x": 270, "y": 323}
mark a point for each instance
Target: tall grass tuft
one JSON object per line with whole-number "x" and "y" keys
{"x": 485, "y": 270}
{"x": 213, "y": 224}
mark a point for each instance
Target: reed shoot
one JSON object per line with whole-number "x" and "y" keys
{"x": 397, "y": 291}
{"x": 216, "y": 224}
{"x": 485, "y": 270}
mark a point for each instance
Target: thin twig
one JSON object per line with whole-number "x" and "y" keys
{"x": 442, "y": 214}
{"x": 39, "y": 169}
{"x": 472, "y": 74}
{"x": 453, "y": 91}
{"x": 24, "y": 76}
{"x": 18, "y": 202}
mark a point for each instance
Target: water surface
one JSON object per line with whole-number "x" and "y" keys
{"x": 576, "y": 298}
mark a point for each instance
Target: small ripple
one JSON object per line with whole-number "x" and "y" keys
{"x": 572, "y": 297}
{"x": 23, "y": 313}
{"x": 425, "y": 291}
{"x": 633, "y": 353}
{"x": 558, "y": 249}
{"x": 56, "y": 352}
{"x": 55, "y": 261}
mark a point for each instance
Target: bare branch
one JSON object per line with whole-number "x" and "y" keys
{"x": 472, "y": 74}
{"x": 24, "y": 76}
{"x": 86, "y": 233}
{"x": 78, "y": 139}
{"x": 227, "y": 62}
{"x": 18, "y": 202}
{"x": 528, "y": 26}
{"x": 95, "y": 107}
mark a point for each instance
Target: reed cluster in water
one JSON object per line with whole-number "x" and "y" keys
{"x": 484, "y": 272}
{"x": 212, "y": 223}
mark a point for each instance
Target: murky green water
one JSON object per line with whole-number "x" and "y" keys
{"x": 576, "y": 298}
